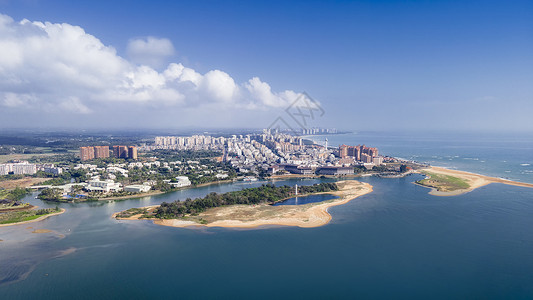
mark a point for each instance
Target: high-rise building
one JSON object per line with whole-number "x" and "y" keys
{"x": 343, "y": 151}
{"x": 357, "y": 152}
{"x": 125, "y": 152}
{"x": 132, "y": 152}
{"x": 86, "y": 153}
{"x": 101, "y": 151}
{"x": 120, "y": 151}
{"x": 366, "y": 158}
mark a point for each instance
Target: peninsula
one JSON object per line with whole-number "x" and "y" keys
{"x": 253, "y": 215}
{"x": 446, "y": 182}
{"x": 28, "y": 216}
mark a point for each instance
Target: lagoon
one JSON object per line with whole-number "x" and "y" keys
{"x": 306, "y": 199}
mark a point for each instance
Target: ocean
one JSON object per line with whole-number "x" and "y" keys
{"x": 396, "y": 242}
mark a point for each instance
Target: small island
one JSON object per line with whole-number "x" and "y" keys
{"x": 446, "y": 182}
{"x": 251, "y": 207}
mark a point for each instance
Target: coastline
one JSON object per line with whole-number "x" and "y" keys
{"x": 474, "y": 180}
{"x": 304, "y": 216}
{"x": 36, "y": 220}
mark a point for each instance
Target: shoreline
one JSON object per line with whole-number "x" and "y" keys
{"x": 473, "y": 179}
{"x": 35, "y": 220}
{"x": 303, "y": 216}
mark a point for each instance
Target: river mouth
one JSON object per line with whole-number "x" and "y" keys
{"x": 306, "y": 199}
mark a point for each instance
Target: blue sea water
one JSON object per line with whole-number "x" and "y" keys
{"x": 396, "y": 242}
{"x": 507, "y": 156}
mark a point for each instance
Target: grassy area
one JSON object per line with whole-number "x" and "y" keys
{"x": 6, "y": 207}
{"x": 444, "y": 183}
{"x": 23, "y": 216}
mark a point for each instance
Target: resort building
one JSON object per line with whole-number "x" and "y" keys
{"x": 181, "y": 181}
{"x": 335, "y": 170}
{"x": 137, "y": 188}
{"x": 104, "y": 186}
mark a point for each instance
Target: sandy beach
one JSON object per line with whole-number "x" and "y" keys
{"x": 474, "y": 180}
{"x": 249, "y": 216}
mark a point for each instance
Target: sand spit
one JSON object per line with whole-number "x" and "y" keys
{"x": 474, "y": 180}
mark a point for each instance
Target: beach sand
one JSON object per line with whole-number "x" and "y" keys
{"x": 250, "y": 216}
{"x": 474, "y": 180}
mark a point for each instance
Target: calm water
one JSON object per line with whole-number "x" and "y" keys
{"x": 306, "y": 199}
{"x": 396, "y": 242}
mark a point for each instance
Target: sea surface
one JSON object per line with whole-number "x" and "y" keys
{"x": 396, "y": 242}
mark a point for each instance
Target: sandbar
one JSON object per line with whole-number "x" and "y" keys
{"x": 474, "y": 181}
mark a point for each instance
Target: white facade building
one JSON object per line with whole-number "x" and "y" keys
{"x": 182, "y": 181}
{"x": 18, "y": 168}
{"x": 105, "y": 186}
{"x": 137, "y": 188}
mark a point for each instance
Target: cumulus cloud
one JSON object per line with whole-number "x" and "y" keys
{"x": 60, "y": 67}
{"x": 150, "y": 51}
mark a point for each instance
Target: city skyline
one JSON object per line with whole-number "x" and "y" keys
{"x": 431, "y": 65}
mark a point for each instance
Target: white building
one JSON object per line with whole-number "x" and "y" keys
{"x": 137, "y": 188}
{"x": 124, "y": 172}
{"x": 53, "y": 170}
{"x": 4, "y": 169}
{"x": 181, "y": 181}
{"x": 85, "y": 167}
{"x": 18, "y": 168}
{"x": 105, "y": 186}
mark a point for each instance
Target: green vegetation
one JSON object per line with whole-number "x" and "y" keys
{"x": 15, "y": 194}
{"x": 132, "y": 212}
{"x": 51, "y": 195}
{"x": 267, "y": 193}
{"x": 443, "y": 183}
{"x": 10, "y": 199}
{"x": 23, "y": 216}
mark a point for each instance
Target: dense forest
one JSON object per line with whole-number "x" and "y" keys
{"x": 267, "y": 193}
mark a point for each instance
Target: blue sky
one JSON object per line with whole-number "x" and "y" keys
{"x": 371, "y": 64}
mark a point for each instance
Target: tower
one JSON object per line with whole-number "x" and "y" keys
{"x": 326, "y": 144}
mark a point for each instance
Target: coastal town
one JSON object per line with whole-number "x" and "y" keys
{"x": 172, "y": 162}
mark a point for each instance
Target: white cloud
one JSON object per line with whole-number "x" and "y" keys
{"x": 150, "y": 51}
{"x": 50, "y": 67}
{"x": 74, "y": 104}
